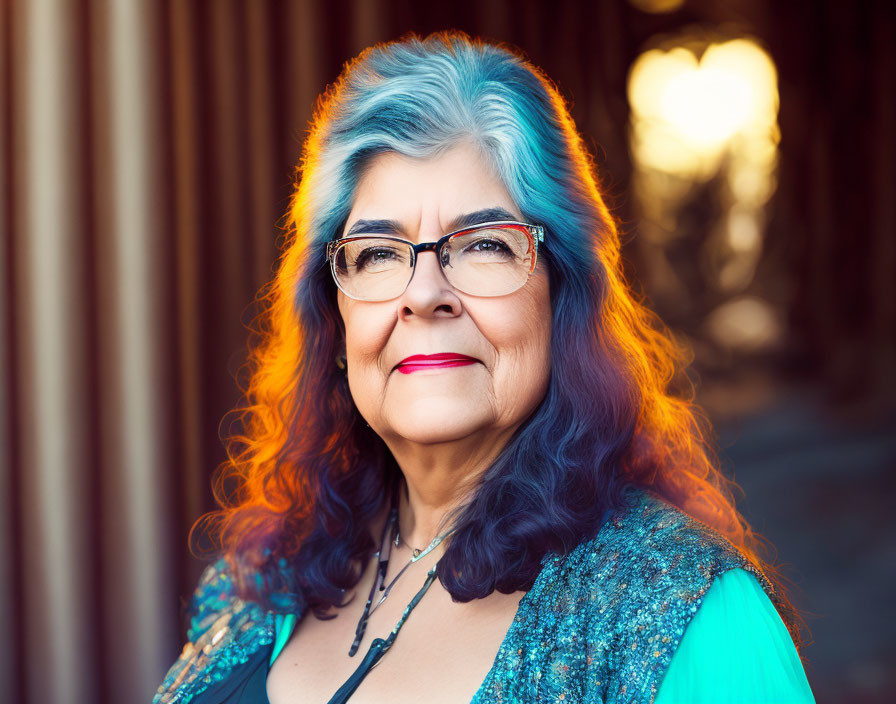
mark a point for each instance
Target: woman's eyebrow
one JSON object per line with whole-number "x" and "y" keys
{"x": 392, "y": 227}
{"x": 376, "y": 227}
{"x": 480, "y": 216}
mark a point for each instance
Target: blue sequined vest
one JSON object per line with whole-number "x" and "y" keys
{"x": 599, "y": 625}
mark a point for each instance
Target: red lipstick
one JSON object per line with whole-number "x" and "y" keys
{"x": 416, "y": 362}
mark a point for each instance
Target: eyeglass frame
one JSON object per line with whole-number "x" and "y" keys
{"x": 535, "y": 233}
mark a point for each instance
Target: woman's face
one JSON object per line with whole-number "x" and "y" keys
{"x": 508, "y": 335}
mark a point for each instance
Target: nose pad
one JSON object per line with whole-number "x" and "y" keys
{"x": 435, "y": 263}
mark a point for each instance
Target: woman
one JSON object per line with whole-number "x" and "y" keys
{"x": 460, "y": 455}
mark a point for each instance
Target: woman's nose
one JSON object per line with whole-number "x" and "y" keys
{"x": 427, "y": 266}
{"x": 429, "y": 288}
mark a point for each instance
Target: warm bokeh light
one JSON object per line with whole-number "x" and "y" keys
{"x": 688, "y": 112}
{"x": 657, "y": 7}
{"x": 745, "y": 323}
{"x": 704, "y": 139}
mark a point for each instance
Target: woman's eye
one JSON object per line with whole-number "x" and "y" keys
{"x": 488, "y": 246}
{"x": 372, "y": 255}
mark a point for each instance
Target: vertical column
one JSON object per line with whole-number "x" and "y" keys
{"x": 367, "y": 21}
{"x": 137, "y": 285}
{"x": 9, "y": 653}
{"x": 188, "y": 199}
{"x": 49, "y": 328}
{"x": 303, "y": 74}
{"x": 259, "y": 86}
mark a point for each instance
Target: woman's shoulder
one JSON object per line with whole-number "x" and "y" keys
{"x": 635, "y": 586}
{"x": 655, "y": 544}
{"x": 224, "y": 631}
{"x": 649, "y": 540}
{"x": 735, "y": 649}
{"x": 213, "y": 596}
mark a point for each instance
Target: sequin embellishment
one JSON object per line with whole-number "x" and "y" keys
{"x": 224, "y": 632}
{"x": 600, "y": 625}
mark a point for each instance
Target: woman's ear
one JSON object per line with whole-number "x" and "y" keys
{"x": 341, "y": 354}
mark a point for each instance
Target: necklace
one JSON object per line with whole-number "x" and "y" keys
{"x": 418, "y": 553}
{"x": 379, "y": 647}
{"x": 383, "y": 566}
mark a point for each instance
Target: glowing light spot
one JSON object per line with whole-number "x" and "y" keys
{"x": 704, "y": 142}
{"x": 745, "y": 323}
{"x": 743, "y": 232}
{"x": 657, "y": 7}
{"x": 687, "y": 111}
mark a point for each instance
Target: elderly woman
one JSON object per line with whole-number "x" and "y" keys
{"x": 462, "y": 477}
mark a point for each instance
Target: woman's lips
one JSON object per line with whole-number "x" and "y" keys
{"x": 417, "y": 362}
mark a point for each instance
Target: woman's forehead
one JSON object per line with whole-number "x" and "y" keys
{"x": 457, "y": 188}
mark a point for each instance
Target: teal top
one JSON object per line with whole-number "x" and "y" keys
{"x": 655, "y": 608}
{"x": 735, "y": 649}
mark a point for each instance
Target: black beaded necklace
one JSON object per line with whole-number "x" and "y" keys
{"x": 379, "y": 646}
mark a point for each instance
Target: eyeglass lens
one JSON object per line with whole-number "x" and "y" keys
{"x": 492, "y": 261}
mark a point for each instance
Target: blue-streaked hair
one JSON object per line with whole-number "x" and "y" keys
{"x": 310, "y": 475}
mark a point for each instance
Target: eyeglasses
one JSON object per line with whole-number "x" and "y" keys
{"x": 491, "y": 259}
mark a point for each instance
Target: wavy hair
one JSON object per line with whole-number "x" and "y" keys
{"x": 305, "y": 475}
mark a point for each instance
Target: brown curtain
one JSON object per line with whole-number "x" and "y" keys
{"x": 147, "y": 150}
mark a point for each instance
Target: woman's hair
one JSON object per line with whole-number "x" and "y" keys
{"x": 305, "y": 476}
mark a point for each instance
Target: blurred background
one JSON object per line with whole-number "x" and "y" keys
{"x": 147, "y": 152}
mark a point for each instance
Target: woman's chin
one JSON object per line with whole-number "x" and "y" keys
{"x": 437, "y": 424}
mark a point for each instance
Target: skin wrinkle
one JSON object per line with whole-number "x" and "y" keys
{"x": 444, "y": 427}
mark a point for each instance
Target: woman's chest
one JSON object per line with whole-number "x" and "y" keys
{"x": 442, "y": 653}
